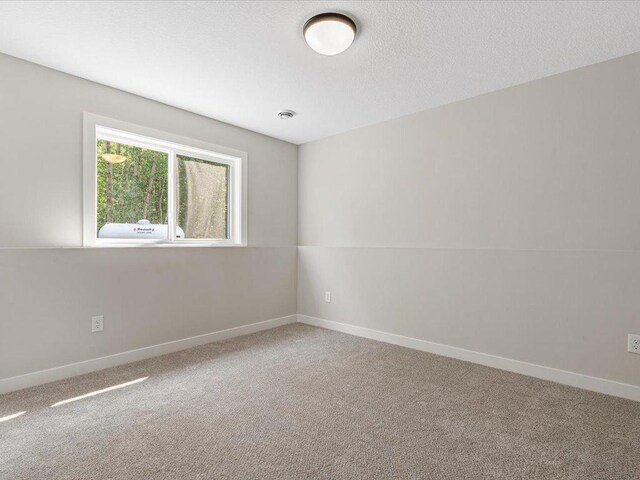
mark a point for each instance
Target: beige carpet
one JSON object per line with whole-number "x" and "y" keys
{"x": 300, "y": 402}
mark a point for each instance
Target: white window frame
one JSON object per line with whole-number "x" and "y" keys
{"x": 96, "y": 126}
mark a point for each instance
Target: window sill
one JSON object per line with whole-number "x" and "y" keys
{"x": 163, "y": 245}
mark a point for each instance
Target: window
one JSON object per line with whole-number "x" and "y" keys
{"x": 142, "y": 186}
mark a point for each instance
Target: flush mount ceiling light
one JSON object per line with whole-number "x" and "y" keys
{"x": 329, "y": 33}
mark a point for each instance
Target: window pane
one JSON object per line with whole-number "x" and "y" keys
{"x": 132, "y": 191}
{"x": 202, "y": 198}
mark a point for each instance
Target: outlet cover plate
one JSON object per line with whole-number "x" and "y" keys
{"x": 97, "y": 324}
{"x": 634, "y": 344}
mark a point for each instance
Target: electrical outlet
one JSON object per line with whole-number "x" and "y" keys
{"x": 97, "y": 324}
{"x": 634, "y": 344}
{"x": 327, "y": 297}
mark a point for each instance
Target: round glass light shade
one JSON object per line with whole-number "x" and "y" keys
{"x": 329, "y": 33}
{"x": 113, "y": 158}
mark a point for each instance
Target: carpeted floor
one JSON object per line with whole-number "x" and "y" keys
{"x": 299, "y": 402}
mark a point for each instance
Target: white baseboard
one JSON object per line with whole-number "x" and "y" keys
{"x": 609, "y": 387}
{"x": 65, "y": 371}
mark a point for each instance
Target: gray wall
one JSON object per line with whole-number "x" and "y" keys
{"x": 148, "y": 295}
{"x": 507, "y": 224}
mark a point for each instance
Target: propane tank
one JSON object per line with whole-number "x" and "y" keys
{"x": 142, "y": 229}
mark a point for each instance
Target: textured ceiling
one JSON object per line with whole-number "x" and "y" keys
{"x": 241, "y": 62}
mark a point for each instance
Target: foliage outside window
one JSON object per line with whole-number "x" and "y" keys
{"x": 133, "y": 189}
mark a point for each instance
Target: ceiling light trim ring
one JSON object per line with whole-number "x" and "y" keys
{"x": 330, "y": 16}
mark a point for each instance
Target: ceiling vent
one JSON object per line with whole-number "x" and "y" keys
{"x": 286, "y": 114}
